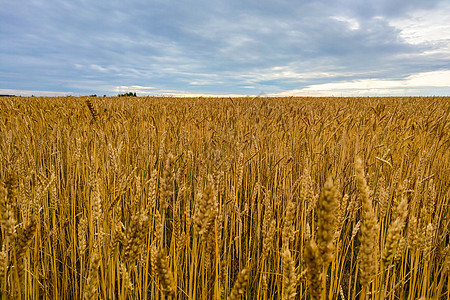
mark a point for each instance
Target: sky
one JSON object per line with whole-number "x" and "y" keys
{"x": 216, "y": 48}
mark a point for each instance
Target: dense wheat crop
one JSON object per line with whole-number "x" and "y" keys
{"x": 183, "y": 198}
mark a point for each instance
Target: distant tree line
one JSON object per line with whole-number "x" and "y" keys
{"x": 129, "y": 94}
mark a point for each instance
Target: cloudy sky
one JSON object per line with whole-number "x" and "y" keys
{"x": 229, "y": 47}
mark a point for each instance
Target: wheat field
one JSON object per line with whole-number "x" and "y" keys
{"x": 224, "y": 198}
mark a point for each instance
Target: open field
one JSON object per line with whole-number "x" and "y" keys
{"x": 266, "y": 198}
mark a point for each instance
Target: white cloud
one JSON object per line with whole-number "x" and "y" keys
{"x": 205, "y": 82}
{"x": 31, "y": 93}
{"x": 287, "y": 72}
{"x": 425, "y": 26}
{"x": 175, "y": 93}
{"x": 431, "y": 79}
{"x": 351, "y": 23}
{"x": 98, "y": 68}
{"x": 415, "y": 83}
{"x": 134, "y": 88}
{"x": 146, "y": 90}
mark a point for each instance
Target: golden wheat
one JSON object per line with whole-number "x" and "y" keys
{"x": 215, "y": 198}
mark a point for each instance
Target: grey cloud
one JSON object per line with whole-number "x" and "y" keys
{"x": 205, "y": 45}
